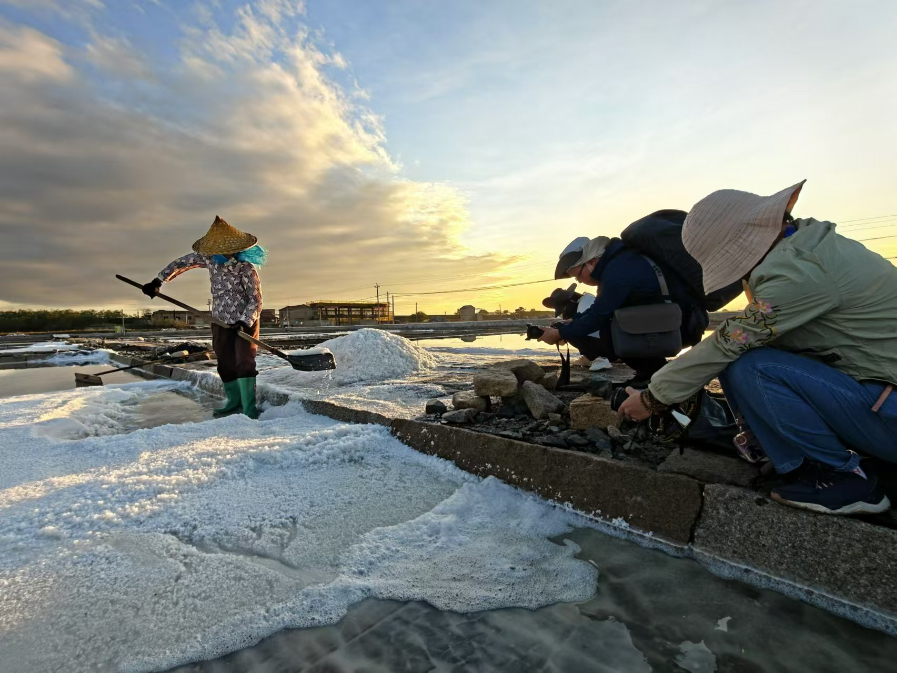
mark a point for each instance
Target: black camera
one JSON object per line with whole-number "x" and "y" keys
{"x": 617, "y": 397}
{"x": 533, "y": 332}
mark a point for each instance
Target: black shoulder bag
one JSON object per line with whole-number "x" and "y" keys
{"x": 649, "y": 330}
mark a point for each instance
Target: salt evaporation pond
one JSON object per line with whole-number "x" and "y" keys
{"x": 339, "y": 548}
{"x": 394, "y": 376}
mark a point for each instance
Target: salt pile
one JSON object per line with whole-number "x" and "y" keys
{"x": 178, "y": 543}
{"x": 373, "y": 355}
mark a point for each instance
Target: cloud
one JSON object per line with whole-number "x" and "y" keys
{"x": 28, "y": 55}
{"x": 117, "y": 56}
{"x": 119, "y": 176}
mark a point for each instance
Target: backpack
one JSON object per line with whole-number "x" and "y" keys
{"x": 659, "y": 236}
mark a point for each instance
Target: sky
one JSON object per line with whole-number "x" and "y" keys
{"x": 425, "y": 146}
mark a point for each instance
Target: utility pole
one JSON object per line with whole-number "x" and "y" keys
{"x": 393, "y": 307}
{"x": 123, "y": 322}
{"x": 377, "y": 287}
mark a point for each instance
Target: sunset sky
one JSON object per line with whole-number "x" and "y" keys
{"x": 423, "y": 145}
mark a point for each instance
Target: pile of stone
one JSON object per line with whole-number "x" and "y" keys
{"x": 521, "y": 386}
{"x": 520, "y": 390}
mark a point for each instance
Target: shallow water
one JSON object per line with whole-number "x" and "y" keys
{"x": 650, "y": 612}
{"x": 34, "y": 380}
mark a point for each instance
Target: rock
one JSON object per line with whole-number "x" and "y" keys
{"x": 607, "y": 454}
{"x": 553, "y": 429}
{"x": 588, "y": 411}
{"x": 600, "y": 386}
{"x": 460, "y": 416}
{"x": 599, "y": 439}
{"x": 511, "y": 434}
{"x": 495, "y": 382}
{"x": 597, "y": 435}
{"x": 482, "y": 416}
{"x": 435, "y": 407}
{"x": 524, "y": 370}
{"x": 550, "y": 381}
{"x": 506, "y": 411}
{"x": 616, "y": 436}
{"x": 539, "y": 401}
{"x": 712, "y": 468}
{"x": 468, "y": 399}
{"x": 577, "y": 441}
{"x": 552, "y": 440}
{"x": 555, "y": 419}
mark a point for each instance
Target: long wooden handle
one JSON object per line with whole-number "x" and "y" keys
{"x": 152, "y": 362}
{"x": 214, "y": 320}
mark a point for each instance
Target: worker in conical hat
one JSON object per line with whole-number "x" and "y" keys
{"x": 232, "y": 258}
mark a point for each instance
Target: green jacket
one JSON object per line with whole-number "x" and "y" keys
{"x": 816, "y": 293}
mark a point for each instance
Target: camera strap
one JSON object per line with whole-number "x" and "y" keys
{"x": 661, "y": 280}
{"x": 564, "y": 376}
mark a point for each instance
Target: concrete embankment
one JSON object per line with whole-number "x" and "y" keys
{"x": 844, "y": 565}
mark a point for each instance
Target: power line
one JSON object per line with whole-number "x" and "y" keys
{"x": 864, "y": 219}
{"x": 876, "y": 238}
{"x": 873, "y": 226}
{"x": 478, "y": 289}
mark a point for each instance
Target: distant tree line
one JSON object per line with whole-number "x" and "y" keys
{"x": 65, "y": 320}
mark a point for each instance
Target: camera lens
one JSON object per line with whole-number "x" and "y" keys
{"x": 617, "y": 398}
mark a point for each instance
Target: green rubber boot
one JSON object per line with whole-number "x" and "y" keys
{"x": 233, "y": 404}
{"x": 247, "y": 394}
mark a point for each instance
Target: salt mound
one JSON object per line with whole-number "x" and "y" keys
{"x": 375, "y": 355}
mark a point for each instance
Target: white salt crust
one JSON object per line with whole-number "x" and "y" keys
{"x": 142, "y": 551}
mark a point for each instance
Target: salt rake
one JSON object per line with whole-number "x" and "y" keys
{"x": 314, "y": 362}
{"x": 82, "y": 380}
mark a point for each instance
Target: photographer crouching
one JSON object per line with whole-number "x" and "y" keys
{"x": 646, "y": 310}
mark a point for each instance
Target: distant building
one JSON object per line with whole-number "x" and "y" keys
{"x": 190, "y": 319}
{"x": 353, "y": 312}
{"x": 268, "y": 316}
{"x": 291, "y": 316}
{"x": 336, "y": 313}
{"x": 467, "y": 313}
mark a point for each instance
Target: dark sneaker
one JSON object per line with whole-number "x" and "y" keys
{"x": 820, "y": 488}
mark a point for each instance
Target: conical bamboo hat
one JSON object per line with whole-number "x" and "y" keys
{"x": 223, "y": 239}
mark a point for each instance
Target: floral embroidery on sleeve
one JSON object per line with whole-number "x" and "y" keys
{"x": 756, "y": 327}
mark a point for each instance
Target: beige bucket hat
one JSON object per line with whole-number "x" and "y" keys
{"x": 729, "y": 232}
{"x": 223, "y": 239}
{"x": 579, "y": 251}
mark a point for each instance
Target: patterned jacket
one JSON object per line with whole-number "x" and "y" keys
{"x": 816, "y": 293}
{"x": 236, "y": 289}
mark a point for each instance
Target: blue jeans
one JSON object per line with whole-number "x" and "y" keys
{"x": 800, "y": 408}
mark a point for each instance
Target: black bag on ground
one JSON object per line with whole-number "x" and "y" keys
{"x": 711, "y": 424}
{"x": 715, "y": 425}
{"x": 659, "y": 236}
